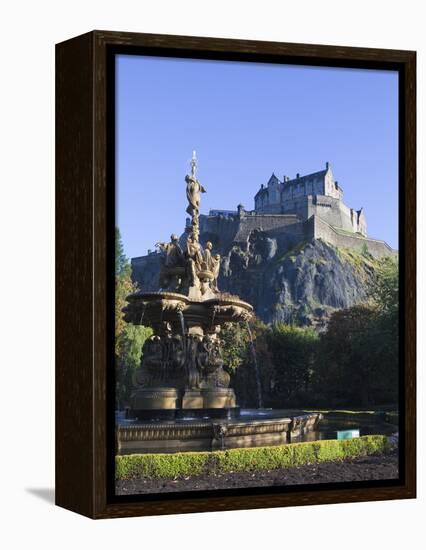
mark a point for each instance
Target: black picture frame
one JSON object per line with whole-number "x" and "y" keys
{"x": 85, "y": 194}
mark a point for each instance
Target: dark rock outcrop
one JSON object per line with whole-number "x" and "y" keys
{"x": 303, "y": 285}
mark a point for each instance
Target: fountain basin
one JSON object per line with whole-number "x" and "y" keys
{"x": 154, "y": 308}
{"x": 251, "y": 428}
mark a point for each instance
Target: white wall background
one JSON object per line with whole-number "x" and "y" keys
{"x": 29, "y": 31}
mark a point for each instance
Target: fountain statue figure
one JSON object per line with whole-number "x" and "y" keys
{"x": 193, "y": 190}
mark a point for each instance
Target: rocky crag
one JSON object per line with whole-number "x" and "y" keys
{"x": 302, "y": 284}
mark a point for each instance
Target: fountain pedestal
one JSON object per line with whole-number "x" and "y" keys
{"x": 146, "y": 401}
{"x": 192, "y": 399}
{"x": 209, "y": 399}
{"x": 218, "y": 398}
{"x": 182, "y": 365}
{"x": 169, "y": 403}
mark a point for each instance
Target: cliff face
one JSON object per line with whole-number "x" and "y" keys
{"x": 301, "y": 285}
{"x": 304, "y": 285}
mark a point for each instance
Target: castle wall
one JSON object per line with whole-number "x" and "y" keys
{"x": 289, "y": 236}
{"x": 330, "y": 209}
{"x": 325, "y": 213}
{"x": 319, "y": 229}
{"x": 267, "y": 222}
{"x": 333, "y": 211}
{"x": 268, "y": 208}
{"x": 306, "y": 186}
{"x": 299, "y": 206}
{"x": 222, "y": 232}
{"x": 362, "y": 223}
{"x": 330, "y": 186}
{"x": 145, "y": 271}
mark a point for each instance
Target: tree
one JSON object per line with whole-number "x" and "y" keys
{"x": 285, "y": 361}
{"x": 356, "y": 363}
{"x": 247, "y": 360}
{"x": 129, "y": 360}
{"x": 121, "y": 261}
{"x": 123, "y": 287}
{"x": 386, "y": 301}
{"x": 293, "y": 351}
{"x": 385, "y": 290}
{"x": 342, "y": 375}
{"x": 129, "y": 339}
{"x": 235, "y": 345}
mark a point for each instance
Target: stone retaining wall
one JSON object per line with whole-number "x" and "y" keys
{"x": 319, "y": 229}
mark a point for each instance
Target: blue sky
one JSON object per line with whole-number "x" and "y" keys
{"x": 247, "y": 120}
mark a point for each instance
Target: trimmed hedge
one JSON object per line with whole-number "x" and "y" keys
{"x": 158, "y": 466}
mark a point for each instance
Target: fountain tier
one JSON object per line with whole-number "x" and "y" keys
{"x": 154, "y": 309}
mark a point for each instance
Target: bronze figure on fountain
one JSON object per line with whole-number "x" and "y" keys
{"x": 190, "y": 270}
{"x": 172, "y": 269}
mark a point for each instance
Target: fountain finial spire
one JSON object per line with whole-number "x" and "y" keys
{"x": 193, "y": 192}
{"x": 193, "y": 163}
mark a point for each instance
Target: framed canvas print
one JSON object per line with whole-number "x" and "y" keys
{"x": 235, "y": 275}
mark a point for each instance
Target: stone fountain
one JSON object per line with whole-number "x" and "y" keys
{"x": 182, "y": 399}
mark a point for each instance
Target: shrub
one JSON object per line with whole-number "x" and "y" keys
{"x": 159, "y": 466}
{"x": 328, "y": 450}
